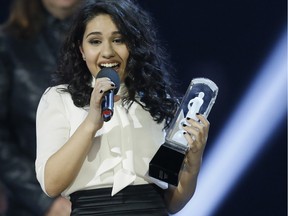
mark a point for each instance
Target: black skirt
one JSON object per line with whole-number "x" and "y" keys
{"x": 137, "y": 200}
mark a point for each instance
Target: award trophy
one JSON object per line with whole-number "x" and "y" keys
{"x": 167, "y": 162}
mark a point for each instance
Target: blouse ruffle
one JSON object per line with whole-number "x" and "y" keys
{"x": 121, "y": 150}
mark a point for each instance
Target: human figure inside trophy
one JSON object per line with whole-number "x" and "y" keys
{"x": 168, "y": 160}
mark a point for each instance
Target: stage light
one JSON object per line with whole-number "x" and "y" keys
{"x": 259, "y": 113}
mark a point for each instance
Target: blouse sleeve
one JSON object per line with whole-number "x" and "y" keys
{"x": 52, "y": 129}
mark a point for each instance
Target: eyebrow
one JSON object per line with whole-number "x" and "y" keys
{"x": 99, "y": 33}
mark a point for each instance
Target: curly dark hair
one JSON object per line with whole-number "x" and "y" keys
{"x": 149, "y": 76}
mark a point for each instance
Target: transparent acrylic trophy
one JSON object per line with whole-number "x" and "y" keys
{"x": 167, "y": 162}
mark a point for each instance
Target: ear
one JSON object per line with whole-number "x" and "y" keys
{"x": 82, "y": 52}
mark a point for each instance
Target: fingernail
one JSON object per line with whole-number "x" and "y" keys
{"x": 184, "y": 132}
{"x": 197, "y": 113}
{"x": 112, "y": 84}
{"x": 101, "y": 91}
{"x": 184, "y": 125}
{"x": 187, "y": 118}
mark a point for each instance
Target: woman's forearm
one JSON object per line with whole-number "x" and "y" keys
{"x": 196, "y": 135}
{"x": 177, "y": 197}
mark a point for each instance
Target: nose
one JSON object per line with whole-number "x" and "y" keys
{"x": 107, "y": 50}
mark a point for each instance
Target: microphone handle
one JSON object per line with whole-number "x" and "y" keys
{"x": 108, "y": 105}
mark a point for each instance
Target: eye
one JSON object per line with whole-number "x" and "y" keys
{"x": 95, "y": 41}
{"x": 118, "y": 41}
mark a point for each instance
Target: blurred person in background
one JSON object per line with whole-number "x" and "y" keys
{"x": 29, "y": 43}
{"x": 3, "y": 201}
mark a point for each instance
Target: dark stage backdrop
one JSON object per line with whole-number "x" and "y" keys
{"x": 228, "y": 41}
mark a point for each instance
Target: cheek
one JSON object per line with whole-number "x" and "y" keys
{"x": 125, "y": 57}
{"x": 91, "y": 55}
{"x": 91, "y": 62}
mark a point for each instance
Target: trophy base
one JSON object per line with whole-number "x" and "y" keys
{"x": 166, "y": 164}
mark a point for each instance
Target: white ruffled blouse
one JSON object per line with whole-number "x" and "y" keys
{"x": 121, "y": 150}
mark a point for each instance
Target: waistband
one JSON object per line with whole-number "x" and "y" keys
{"x": 140, "y": 200}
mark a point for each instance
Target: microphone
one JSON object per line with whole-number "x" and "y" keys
{"x": 108, "y": 99}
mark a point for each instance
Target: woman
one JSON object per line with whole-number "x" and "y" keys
{"x": 101, "y": 166}
{"x": 29, "y": 46}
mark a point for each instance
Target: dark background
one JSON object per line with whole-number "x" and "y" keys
{"x": 228, "y": 41}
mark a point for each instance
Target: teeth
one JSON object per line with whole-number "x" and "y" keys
{"x": 109, "y": 65}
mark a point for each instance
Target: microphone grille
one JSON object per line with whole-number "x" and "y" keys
{"x": 112, "y": 75}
